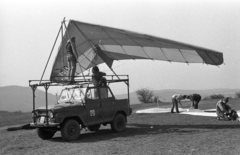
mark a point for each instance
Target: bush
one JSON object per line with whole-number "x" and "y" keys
{"x": 215, "y": 96}
{"x": 206, "y": 98}
{"x": 145, "y": 95}
{"x": 237, "y": 94}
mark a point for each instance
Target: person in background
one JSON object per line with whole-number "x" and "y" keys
{"x": 222, "y": 109}
{"x": 71, "y": 59}
{"x": 176, "y": 99}
{"x": 195, "y": 98}
{"x": 97, "y": 77}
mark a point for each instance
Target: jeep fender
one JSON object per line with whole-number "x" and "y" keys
{"x": 60, "y": 117}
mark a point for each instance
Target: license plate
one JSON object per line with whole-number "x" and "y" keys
{"x": 42, "y": 119}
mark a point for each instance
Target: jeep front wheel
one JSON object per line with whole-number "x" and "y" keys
{"x": 70, "y": 130}
{"x": 119, "y": 123}
{"x": 94, "y": 127}
{"x": 44, "y": 134}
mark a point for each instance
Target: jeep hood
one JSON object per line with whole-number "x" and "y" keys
{"x": 60, "y": 106}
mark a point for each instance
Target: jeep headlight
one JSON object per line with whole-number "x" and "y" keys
{"x": 50, "y": 114}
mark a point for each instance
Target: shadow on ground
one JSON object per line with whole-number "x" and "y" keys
{"x": 145, "y": 130}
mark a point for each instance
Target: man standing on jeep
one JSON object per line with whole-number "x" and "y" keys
{"x": 71, "y": 59}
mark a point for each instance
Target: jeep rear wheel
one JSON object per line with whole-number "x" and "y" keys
{"x": 44, "y": 134}
{"x": 94, "y": 127}
{"x": 119, "y": 123}
{"x": 70, "y": 130}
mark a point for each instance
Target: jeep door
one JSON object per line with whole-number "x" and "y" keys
{"x": 107, "y": 103}
{"x": 93, "y": 107}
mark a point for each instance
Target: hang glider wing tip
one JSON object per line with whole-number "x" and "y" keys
{"x": 217, "y": 64}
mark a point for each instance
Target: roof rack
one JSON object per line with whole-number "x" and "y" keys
{"x": 79, "y": 80}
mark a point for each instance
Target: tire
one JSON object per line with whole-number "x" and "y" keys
{"x": 70, "y": 130}
{"x": 94, "y": 127}
{"x": 119, "y": 123}
{"x": 44, "y": 134}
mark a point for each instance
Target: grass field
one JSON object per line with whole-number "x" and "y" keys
{"x": 17, "y": 119}
{"x": 151, "y": 134}
{"x": 25, "y": 118}
{"x": 204, "y": 104}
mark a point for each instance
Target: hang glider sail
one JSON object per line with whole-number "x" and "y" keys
{"x": 97, "y": 44}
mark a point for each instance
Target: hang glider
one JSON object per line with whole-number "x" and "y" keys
{"x": 97, "y": 44}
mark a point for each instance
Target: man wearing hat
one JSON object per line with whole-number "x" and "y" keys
{"x": 222, "y": 109}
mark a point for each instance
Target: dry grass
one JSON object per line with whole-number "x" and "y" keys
{"x": 10, "y": 120}
{"x": 145, "y": 134}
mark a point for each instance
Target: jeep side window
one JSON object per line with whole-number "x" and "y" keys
{"x": 92, "y": 94}
{"x": 105, "y": 93}
{"x": 78, "y": 94}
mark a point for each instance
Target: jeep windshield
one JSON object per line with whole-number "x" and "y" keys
{"x": 72, "y": 95}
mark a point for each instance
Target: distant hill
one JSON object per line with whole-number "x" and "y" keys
{"x": 17, "y": 98}
{"x": 166, "y": 94}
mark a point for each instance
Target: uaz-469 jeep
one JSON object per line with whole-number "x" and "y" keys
{"x": 80, "y": 106}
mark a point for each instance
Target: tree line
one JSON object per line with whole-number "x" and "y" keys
{"x": 146, "y": 95}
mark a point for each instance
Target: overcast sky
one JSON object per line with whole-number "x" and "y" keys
{"x": 28, "y": 29}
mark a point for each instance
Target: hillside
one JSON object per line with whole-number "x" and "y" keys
{"x": 17, "y": 98}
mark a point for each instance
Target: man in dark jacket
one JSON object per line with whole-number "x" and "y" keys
{"x": 195, "y": 98}
{"x": 222, "y": 109}
{"x": 97, "y": 77}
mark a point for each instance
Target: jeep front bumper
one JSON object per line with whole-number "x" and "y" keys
{"x": 49, "y": 124}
